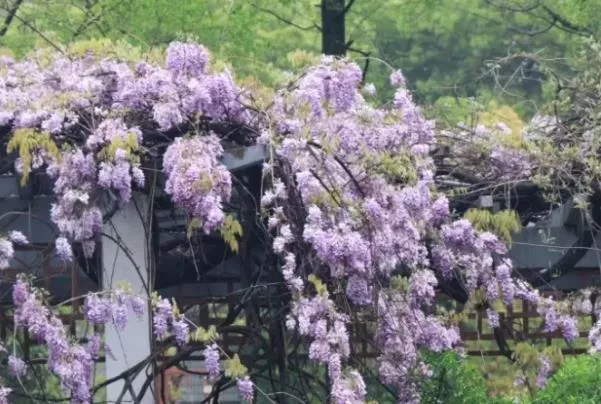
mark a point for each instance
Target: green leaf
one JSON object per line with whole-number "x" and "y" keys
{"x": 503, "y": 223}
{"x": 194, "y": 224}
{"x": 27, "y": 141}
{"x": 320, "y": 287}
{"x": 205, "y": 336}
{"x": 230, "y": 232}
{"x": 234, "y": 368}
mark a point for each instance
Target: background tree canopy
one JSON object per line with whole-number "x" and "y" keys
{"x": 447, "y": 49}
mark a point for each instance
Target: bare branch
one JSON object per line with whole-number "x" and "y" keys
{"x": 533, "y": 32}
{"x": 551, "y": 18}
{"x": 348, "y": 6}
{"x": 567, "y": 25}
{"x": 11, "y": 13}
{"x": 516, "y": 9}
{"x": 38, "y": 32}
{"x": 286, "y": 20}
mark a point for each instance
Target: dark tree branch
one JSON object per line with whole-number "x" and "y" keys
{"x": 533, "y": 32}
{"x": 286, "y": 20}
{"x": 516, "y": 9}
{"x": 551, "y": 17}
{"x": 343, "y": 166}
{"x": 571, "y": 27}
{"x": 10, "y": 15}
{"x": 40, "y": 34}
{"x": 93, "y": 20}
{"x": 348, "y": 6}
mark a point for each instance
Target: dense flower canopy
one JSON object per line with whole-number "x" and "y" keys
{"x": 361, "y": 231}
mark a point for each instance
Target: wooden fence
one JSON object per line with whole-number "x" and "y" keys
{"x": 526, "y": 325}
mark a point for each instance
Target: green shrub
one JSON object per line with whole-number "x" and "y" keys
{"x": 578, "y": 381}
{"x": 454, "y": 381}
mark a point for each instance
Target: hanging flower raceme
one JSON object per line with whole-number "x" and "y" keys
{"x": 196, "y": 180}
{"x": 376, "y": 227}
{"x": 117, "y": 147}
{"x": 246, "y": 389}
{"x": 4, "y": 393}
{"x": 72, "y": 363}
{"x": 113, "y": 307}
{"x": 359, "y": 223}
{"x": 211, "y": 355}
{"x": 167, "y": 320}
{"x": 6, "y": 253}
{"x": 75, "y": 214}
{"x": 16, "y": 366}
{"x": 81, "y": 118}
{"x": 7, "y": 249}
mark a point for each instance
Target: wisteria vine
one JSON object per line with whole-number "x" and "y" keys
{"x": 360, "y": 230}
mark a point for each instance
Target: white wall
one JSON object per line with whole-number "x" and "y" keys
{"x": 131, "y": 345}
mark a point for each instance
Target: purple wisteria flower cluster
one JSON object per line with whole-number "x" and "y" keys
{"x": 503, "y": 156}
{"x": 543, "y": 372}
{"x": 358, "y": 224}
{"x": 81, "y": 119}
{"x": 71, "y": 362}
{"x": 212, "y": 364}
{"x": 113, "y": 307}
{"x": 4, "y": 393}
{"x": 378, "y": 230}
{"x": 167, "y": 320}
{"x": 7, "y": 249}
{"x": 196, "y": 180}
{"x": 246, "y": 389}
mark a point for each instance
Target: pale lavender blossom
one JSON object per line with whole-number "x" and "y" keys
{"x": 543, "y": 372}
{"x": 16, "y": 237}
{"x": 6, "y": 253}
{"x": 138, "y": 305}
{"x": 187, "y": 59}
{"x": 192, "y": 164}
{"x": 98, "y": 310}
{"x": 246, "y": 389}
{"x": 162, "y": 319}
{"x": 440, "y": 210}
{"x": 16, "y": 366}
{"x": 211, "y": 355}
{"x": 569, "y": 328}
{"x": 181, "y": 329}
{"x": 120, "y": 315}
{"x": 167, "y": 115}
{"x": 370, "y": 89}
{"x": 397, "y": 79}
{"x": 63, "y": 249}
{"x": 93, "y": 346}
{"x": 493, "y": 318}
{"x": 4, "y": 393}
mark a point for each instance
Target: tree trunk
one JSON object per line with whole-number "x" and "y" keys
{"x": 332, "y": 25}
